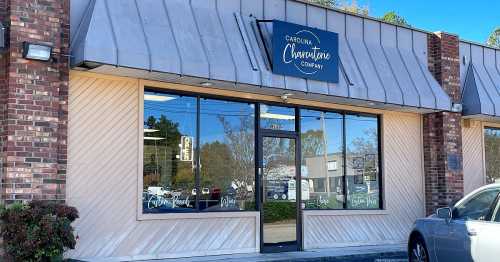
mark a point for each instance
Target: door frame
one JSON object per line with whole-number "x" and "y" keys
{"x": 295, "y": 135}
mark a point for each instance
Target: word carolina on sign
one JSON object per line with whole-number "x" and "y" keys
{"x": 305, "y": 52}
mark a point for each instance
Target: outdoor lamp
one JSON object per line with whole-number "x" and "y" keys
{"x": 36, "y": 51}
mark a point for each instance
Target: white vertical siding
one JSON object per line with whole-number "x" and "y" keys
{"x": 473, "y": 156}
{"x": 403, "y": 194}
{"x": 102, "y": 183}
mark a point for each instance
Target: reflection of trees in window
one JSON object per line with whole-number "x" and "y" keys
{"x": 321, "y": 148}
{"x": 155, "y": 167}
{"x": 228, "y": 162}
{"x": 161, "y": 166}
{"x": 366, "y": 144}
{"x": 313, "y": 143}
{"x": 492, "y": 154}
{"x": 365, "y": 149}
{"x": 216, "y": 162}
{"x": 362, "y": 162}
{"x": 241, "y": 142}
{"x": 278, "y": 154}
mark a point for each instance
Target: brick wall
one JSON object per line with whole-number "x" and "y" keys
{"x": 35, "y": 95}
{"x": 442, "y": 131}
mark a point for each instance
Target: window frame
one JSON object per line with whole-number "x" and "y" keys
{"x": 245, "y": 213}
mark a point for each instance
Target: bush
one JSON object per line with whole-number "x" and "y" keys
{"x": 38, "y": 231}
{"x": 278, "y": 211}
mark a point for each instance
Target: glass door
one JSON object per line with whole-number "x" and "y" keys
{"x": 279, "y": 210}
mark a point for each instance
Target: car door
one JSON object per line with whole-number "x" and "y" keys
{"x": 454, "y": 240}
{"x": 486, "y": 248}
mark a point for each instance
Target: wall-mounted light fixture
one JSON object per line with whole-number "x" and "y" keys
{"x": 285, "y": 97}
{"x": 36, "y": 51}
{"x": 456, "y": 107}
{"x": 206, "y": 84}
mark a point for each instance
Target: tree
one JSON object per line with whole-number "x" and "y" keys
{"x": 494, "y": 38}
{"x": 349, "y": 6}
{"x": 354, "y": 7}
{"x": 312, "y": 143}
{"x": 329, "y": 3}
{"x": 162, "y": 166}
{"x": 216, "y": 165}
{"x": 393, "y": 17}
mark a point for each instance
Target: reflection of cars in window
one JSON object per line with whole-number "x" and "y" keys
{"x": 467, "y": 231}
{"x": 205, "y": 191}
{"x": 159, "y": 191}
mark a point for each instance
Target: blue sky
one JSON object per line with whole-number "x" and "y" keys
{"x": 471, "y": 20}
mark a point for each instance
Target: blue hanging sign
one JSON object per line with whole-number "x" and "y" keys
{"x": 305, "y": 52}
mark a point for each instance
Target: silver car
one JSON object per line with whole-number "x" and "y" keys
{"x": 467, "y": 231}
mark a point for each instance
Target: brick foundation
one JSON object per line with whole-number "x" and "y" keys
{"x": 442, "y": 131}
{"x": 34, "y": 98}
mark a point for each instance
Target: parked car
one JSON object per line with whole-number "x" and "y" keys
{"x": 467, "y": 231}
{"x": 159, "y": 191}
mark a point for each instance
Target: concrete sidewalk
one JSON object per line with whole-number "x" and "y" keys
{"x": 382, "y": 253}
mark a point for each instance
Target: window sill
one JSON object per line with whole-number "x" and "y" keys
{"x": 201, "y": 215}
{"x": 367, "y": 212}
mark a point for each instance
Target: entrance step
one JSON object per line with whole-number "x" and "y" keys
{"x": 377, "y": 253}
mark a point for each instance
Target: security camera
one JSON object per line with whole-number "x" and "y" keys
{"x": 285, "y": 97}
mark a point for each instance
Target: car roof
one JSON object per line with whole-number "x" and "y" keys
{"x": 494, "y": 185}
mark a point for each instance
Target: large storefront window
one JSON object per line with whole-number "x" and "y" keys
{"x": 324, "y": 177}
{"x": 200, "y": 155}
{"x": 227, "y": 140}
{"x": 169, "y": 166}
{"x": 492, "y": 154}
{"x": 173, "y": 181}
{"x": 362, "y": 159}
{"x": 322, "y": 159}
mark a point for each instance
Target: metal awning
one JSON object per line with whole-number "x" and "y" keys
{"x": 189, "y": 41}
{"x": 480, "y": 73}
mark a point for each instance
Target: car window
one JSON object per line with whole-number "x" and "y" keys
{"x": 496, "y": 215}
{"x": 478, "y": 207}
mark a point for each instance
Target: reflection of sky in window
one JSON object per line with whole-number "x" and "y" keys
{"x": 312, "y": 120}
{"x": 211, "y": 124}
{"x": 179, "y": 109}
{"x": 277, "y": 117}
{"x": 360, "y": 127}
{"x": 182, "y": 110}
{"x": 493, "y": 132}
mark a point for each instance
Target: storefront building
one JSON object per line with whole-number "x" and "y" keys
{"x": 189, "y": 128}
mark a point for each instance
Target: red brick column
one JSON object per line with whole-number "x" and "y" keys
{"x": 35, "y": 97}
{"x": 443, "y": 131}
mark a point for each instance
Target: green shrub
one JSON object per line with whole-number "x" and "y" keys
{"x": 38, "y": 231}
{"x": 277, "y": 211}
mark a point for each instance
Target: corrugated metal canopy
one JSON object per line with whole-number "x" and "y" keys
{"x": 180, "y": 40}
{"x": 480, "y": 73}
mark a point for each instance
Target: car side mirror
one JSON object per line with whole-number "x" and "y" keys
{"x": 444, "y": 213}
